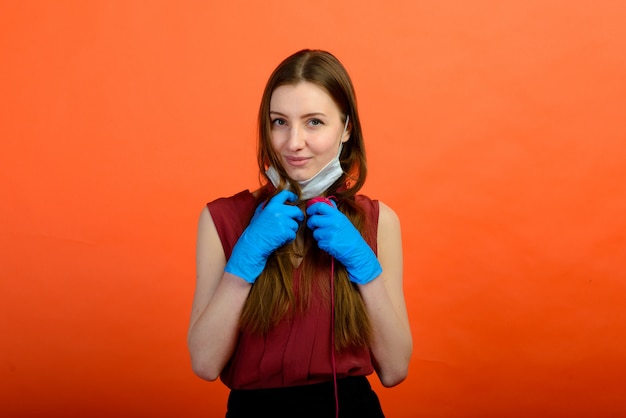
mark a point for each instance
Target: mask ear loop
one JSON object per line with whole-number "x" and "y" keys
{"x": 332, "y": 333}
{"x": 345, "y": 129}
{"x": 332, "y": 306}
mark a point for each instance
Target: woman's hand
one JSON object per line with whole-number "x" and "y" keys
{"x": 273, "y": 225}
{"x": 336, "y": 235}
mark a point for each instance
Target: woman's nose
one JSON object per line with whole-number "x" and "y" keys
{"x": 296, "y": 138}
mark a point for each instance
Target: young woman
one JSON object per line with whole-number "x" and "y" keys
{"x": 299, "y": 284}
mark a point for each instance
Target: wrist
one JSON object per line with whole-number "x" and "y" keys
{"x": 236, "y": 281}
{"x": 365, "y": 273}
{"x": 363, "y": 266}
{"x": 245, "y": 264}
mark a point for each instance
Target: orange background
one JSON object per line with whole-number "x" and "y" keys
{"x": 495, "y": 129}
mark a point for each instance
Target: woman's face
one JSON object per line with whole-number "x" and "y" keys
{"x": 306, "y": 128}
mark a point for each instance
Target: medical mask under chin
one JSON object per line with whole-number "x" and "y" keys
{"x": 322, "y": 180}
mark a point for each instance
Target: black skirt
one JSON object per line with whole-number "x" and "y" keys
{"x": 355, "y": 395}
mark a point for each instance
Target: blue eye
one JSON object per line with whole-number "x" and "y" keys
{"x": 279, "y": 122}
{"x": 316, "y": 122}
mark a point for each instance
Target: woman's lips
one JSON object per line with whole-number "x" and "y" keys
{"x": 296, "y": 161}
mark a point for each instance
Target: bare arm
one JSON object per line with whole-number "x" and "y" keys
{"x": 384, "y": 300}
{"x": 217, "y": 304}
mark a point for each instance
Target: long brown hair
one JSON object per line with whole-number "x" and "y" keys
{"x": 272, "y": 296}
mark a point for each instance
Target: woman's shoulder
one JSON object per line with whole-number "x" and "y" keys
{"x": 386, "y": 214}
{"x": 230, "y": 215}
{"x": 367, "y": 203}
{"x": 236, "y": 209}
{"x": 236, "y": 199}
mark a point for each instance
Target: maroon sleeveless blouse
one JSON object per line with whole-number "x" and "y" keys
{"x": 298, "y": 350}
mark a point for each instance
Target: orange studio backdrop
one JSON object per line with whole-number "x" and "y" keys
{"x": 496, "y": 130}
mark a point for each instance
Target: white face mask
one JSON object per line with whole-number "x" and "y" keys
{"x": 321, "y": 180}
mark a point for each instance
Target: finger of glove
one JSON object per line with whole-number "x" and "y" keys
{"x": 279, "y": 199}
{"x": 321, "y": 208}
{"x": 285, "y": 215}
{"x": 279, "y": 207}
{"x": 268, "y": 240}
{"x": 323, "y": 243}
{"x": 276, "y": 225}
{"x": 345, "y": 244}
{"x": 290, "y": 225}
{"x": 314, "y": 222}
{"x": 322, "y": 238}
{"x": 293, "y": 212}
{"x": 337, "y": 243}
{"x": 283, "y": 197}
{"x": 335, "y": 221}
{"x": 280, "y": 214}
{"x": 258, "y": 210}
{"x": 270, "y": 221}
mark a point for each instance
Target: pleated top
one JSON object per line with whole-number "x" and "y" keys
{"x": 298, "y": 350}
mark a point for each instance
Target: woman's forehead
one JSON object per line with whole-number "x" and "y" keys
{"x": 302, "y": 98}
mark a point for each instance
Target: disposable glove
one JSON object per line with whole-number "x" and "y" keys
{"x": 336, "y": 235}
{"x": 273, "y": 225}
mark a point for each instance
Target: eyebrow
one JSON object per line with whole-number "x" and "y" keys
{"x": 308, "y": 115}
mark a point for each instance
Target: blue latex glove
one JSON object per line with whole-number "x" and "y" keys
{"x": 336, "y": 235}
{"x": 273, "y": 225}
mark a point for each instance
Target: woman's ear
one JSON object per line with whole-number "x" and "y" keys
{"x": 347, "y": 130}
